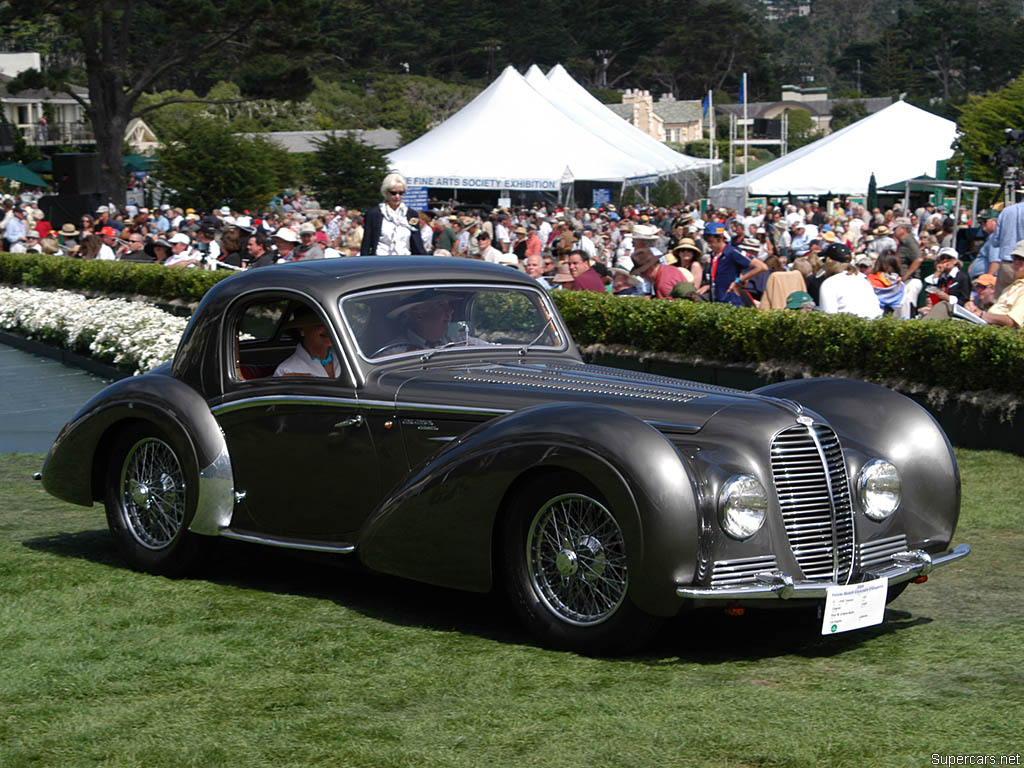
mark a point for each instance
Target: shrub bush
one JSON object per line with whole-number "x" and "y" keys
{"x": 152, "y": 280}
{"x": 954, "y": 355}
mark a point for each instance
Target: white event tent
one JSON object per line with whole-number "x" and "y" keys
{"x": 896, "y": 143}
{"x": 574, "y": 98}
{"x": 512, "y": 138}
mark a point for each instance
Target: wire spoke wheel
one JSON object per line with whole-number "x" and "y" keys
{"x": 152, "y": 493}
{"x": 576, "y": 559}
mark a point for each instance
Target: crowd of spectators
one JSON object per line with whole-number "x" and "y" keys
{"x": 927, "y": 262}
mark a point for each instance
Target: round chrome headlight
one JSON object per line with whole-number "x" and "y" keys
{"x": 879, "y": 488}
{"x": 742, "y": 505}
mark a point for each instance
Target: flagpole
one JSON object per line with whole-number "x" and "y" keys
{"x": 711, "y": 133}
{"x": 746, "y": 154}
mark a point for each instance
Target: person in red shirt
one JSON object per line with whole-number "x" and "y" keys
{"x": 662, "y": 276}
{"x": 584, "y": 278}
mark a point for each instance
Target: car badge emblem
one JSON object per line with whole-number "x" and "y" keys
{"x": 805, "y": 420}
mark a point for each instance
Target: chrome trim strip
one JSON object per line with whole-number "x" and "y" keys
{"x": 407, "y": 406}
{"x": 333, "y": 402}
{"x": 831, "y": 496}
{"x": 273, "y": 541}
{"x": 216, "y": 501}
{"x": 781, "y": 585}
{"x": 673, "y": 427}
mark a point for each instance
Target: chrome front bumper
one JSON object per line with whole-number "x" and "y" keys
{"x": 906, "y": 565}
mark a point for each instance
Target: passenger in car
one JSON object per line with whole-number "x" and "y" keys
{"x": 314, "y": 355}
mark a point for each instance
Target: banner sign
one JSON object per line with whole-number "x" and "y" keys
{"x": 642, "y": 181}
{"x": 415, "y": 197}
{"x": 470, "y": 182}
{"x": 601, "y": 196}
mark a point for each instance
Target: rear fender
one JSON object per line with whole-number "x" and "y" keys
{"x": 77, "y": 462}
{"x": 439, "y": 526}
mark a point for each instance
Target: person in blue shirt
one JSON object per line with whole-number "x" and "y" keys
{"x": 162, "y": 222}
{"x": 997, "y": 249}
{"x": 730, "y": 268}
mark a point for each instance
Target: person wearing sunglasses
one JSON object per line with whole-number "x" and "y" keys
{"x": 392, "y": 228}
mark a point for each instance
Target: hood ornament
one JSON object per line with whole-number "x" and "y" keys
{"x": 805, "y": 420}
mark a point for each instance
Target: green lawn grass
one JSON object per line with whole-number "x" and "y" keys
{"x": 268, "y": 659}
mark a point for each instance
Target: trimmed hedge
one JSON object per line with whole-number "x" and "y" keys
{"x": 957, "y": 356}
{"x": 113, "y": 277}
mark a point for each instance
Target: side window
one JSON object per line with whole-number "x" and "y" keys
{"x": 260, "y": 321}
{"x": 259, "y": 341}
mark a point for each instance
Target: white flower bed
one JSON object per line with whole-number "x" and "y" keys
{"x": 132, "y": 335}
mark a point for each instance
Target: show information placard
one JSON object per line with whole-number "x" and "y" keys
{"x": 854, "y": 606}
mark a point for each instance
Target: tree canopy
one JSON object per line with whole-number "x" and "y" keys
{"x": 125, "y": 48}
{"x": 983, "y": 123}
{"x": 205, "y": 165}
{"x": 344, "y": 64}
{"x": 344, "y": 170}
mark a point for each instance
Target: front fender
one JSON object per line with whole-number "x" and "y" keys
{"x": 439, "y": 526}
{"x": 874, "y": 421}
{"x": 76, "y": 463}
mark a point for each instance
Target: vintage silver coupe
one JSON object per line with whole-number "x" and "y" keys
{"x": 462, "y": 441}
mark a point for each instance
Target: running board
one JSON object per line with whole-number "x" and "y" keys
{"x": 311, "y": 545}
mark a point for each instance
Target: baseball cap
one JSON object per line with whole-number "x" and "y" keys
{"x": 714, "y": 228}
{"x": 798, "y": 300}
{"x": 985, "y": 280}
{"x": 180, "y": 237}
{"x": 837, "y": 252}
{"x": 108, "y": 232}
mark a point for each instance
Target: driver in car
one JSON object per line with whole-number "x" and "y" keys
{"x": 425, "y": 324}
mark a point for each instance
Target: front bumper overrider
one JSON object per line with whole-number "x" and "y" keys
{"x": 905, "y": 566}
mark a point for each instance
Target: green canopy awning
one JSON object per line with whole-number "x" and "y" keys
{"x": 136, "y": 163}
{"x": 19, "y": 172}
{"x": 41, "y": 166}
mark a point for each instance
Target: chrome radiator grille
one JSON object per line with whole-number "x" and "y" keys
{"x": 730, "y": 573}
{"x": 814, "y": 496}
{"x": 880, "y": 552}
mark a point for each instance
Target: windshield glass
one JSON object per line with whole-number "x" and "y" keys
{"x": 449, "y": 317}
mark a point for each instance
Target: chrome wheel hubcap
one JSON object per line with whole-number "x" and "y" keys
{"x": 152, "y": 493}
{"x": 576, "y": 558}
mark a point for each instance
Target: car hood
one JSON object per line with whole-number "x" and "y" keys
{"x": 509, "y": 386}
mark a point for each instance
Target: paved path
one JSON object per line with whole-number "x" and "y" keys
{"x": 37, "y": 397}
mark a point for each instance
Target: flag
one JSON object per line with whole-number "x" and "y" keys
{"x": 704, "y": 103}
{"x": 743, "y": 89}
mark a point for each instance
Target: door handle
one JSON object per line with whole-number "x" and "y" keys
{"x": 355, "y": 421}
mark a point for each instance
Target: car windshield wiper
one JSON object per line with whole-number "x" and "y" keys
{"x": 463, "y": 328}
{"x": 543, "y": 330}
